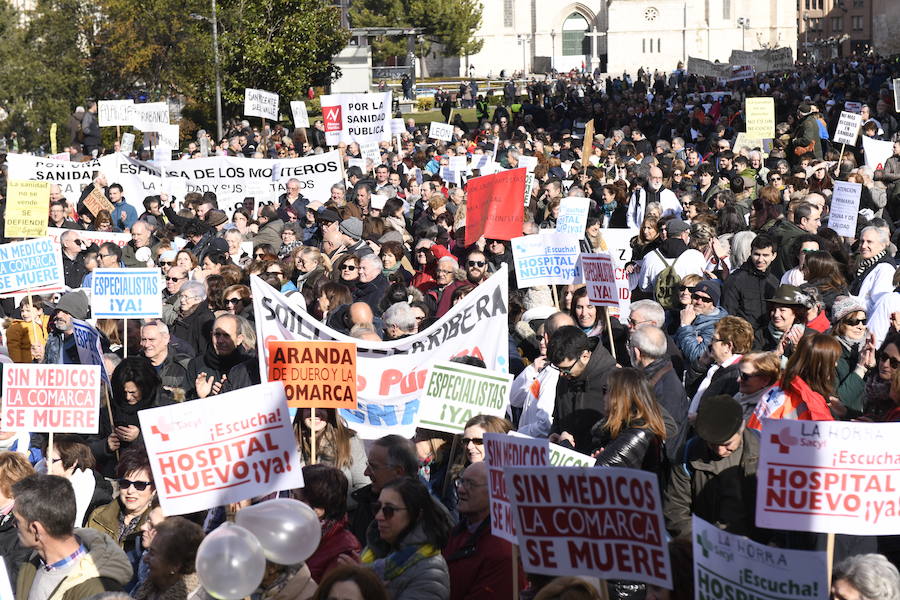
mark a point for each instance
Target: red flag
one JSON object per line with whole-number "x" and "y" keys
{"x": 495, "y": 206}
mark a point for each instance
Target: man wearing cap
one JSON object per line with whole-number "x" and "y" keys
{"x": 270, "y": 227}
{"x": 717, "y": 478}
{"x": 141, "y": 237}
{"x": 61, "y": 348}
{"x": 352, "y": 229}
{"x": 699, "y": 318}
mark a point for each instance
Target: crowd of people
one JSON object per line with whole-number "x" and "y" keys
{"x": 744, "y": 305}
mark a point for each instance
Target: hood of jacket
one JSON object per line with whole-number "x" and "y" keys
{"x": 672, "y": 247}
{"x": 104, "y": 559}
{"x": 711, "y": 317}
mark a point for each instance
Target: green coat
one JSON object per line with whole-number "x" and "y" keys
{"x": 850, "y": 386}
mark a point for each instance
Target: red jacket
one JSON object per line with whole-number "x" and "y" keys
{"x": 336, "y": 540}
{"x": 480, "y": 565}
{"x": 799, "y": 402}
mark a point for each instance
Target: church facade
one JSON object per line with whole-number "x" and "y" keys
{"x": 624, "y": 35}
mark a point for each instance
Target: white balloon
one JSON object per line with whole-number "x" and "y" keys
{"x": 288, "y": 529}
{"x": 230, "y": 562}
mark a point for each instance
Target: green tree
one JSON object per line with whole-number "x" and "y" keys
{"x": 281, "y": 46}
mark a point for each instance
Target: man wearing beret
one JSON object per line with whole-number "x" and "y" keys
{"x": 716, "y": 480}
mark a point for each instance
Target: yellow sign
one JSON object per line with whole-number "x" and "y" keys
{"x": 760, "y": 118}
{"x": 53, "y": 138}
{"x": 27, "y": 208}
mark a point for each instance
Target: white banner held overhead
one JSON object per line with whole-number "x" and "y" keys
{"x": 877, "y": 152}
{"x": 111, "y": 113}
{"x": 357, "y": 118}
{"x": 301, "y": 116}
{"x": 149, "y": 116}
{"x": 260, "y": 103}
{"x": 845, "y": 208}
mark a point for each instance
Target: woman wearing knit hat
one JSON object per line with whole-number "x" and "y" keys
{"x": 857, "y": 353}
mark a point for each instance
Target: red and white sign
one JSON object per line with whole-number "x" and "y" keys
{"x": 221, "y": 449}
{"x": 57, "y": 398}
{"x": 361, "y": 118}
{"x": 600, "y": 279}
{"x": 500, "y": 451}
{"x": 494, "y": 206}
{"x": 586, "y": 521}
{"x": 829, "y": 477}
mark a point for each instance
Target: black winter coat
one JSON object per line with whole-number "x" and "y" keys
{"x": 744, "y": 295}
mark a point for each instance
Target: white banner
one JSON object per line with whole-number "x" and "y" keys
{"x": 222, "y": 449}
{"x": 573, "y": 215}
{"x": 126, "y": 294}
{"x": 845, "y": 208}
{"x": 828, "y": 477}
{"x": 546, "y": 259}
{"x": 847, "y": 128}
{"x": 115, "y": 112}
{"x": 260, "y": 103}
{"x": 501, "y": 451}
{"x": 440, "y": 131}
{"x": 391, "y": 375}
{"x": 149, "y": 116}
{"x": 91, "y": 237}
{"x": 877, "y": 152}
{"x": 357, "y": 118}
{"x": 301, "y": 116}
{"x": 168, "y": 137}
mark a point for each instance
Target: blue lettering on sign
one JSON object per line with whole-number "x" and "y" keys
{"x": 380, "y": 415}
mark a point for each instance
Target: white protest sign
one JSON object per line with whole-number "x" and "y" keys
{"x": 149, "y": 116}
{"x": 600, "y": 279}
{"x": 168, "y": 137}
{"x": 127, "y": 143}
{"x": 391, "y": 375}
{"x": 357, "y": 162}
{"x": 126, "y": 294}
{"x": 854, "y": 107}
{"x": 896, "y": 86}
{"x": 301, "y": 116}
{"x": 604, "y": 523}
{"x": 371, "y": 152}
{"x": 44, "y": 398}
{"x": 397, "y": 127}
{"x": 92, "y": 237}
{"x": 377, "y": 201}
{"x": 440, "y": 131}
{"x": 560, "y": 456}
{"x": 529, "y": 162}
{"x": 546, "y": 259}
{"x": 618, "y": 242}
{"x": 500, "y": 452}
{"x": 529, "y": 186}
{"x": 480, "y": 161}
{"x": 222, "y": 449}
{"x": 454, "y": 393}
{"x": 845, "y": 208}
{"x": 115, "y": 112}
{"x": 877, "y": 152}
{"x": 573, "y": 215}
{"x": 457, "y": 163}
{"x": 847, "y": 128}
{"x": 828, "y": 477}
{"x": 450, "y": 176}
{"x": 30, "y": 264}
{"x": 732, "y": 566}
{"x": 357, "y": 118}
{"x": 260, "y": 103}
{"x": 6, "y": 592}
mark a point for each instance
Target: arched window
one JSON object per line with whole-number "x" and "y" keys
{"x": 574, "y": 42}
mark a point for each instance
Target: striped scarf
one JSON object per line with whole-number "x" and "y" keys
{"x": 393, "y": 565}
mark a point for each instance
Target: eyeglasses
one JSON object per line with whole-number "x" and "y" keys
{"x": 476, "y": 441}
{"x": 685, "y": 288}
{"x": 348, "y": 267}
{"x": 387, "y": 509}
{"x": 234, "y": 301}
{"x": 162, "y": 264}
{"x": 895, "y": 362}
{"x": 855, "y": 322}
{"x": 259, "y": 255}
{"x": 105, "y": 255}
{"x": 634, "y": 323}
{"x": 808, "y": 250}
{"x": 476, "y": 263}
{"x": 676, "y": 174}
{"x": 444, "y": 272}
{"x": 467, "y": 483}
{"x": 175, "y": 278}
{"x": 718, "y": 339}
{"x": 696, "y": 296}
{"x": 745, "y": 376}
{"x": 775, "y": 178}
{"x": 275, "y": 272}
{"x": 140, "y": 486}
{"x": 566, "y": 370}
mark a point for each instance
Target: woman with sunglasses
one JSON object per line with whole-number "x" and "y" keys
{"x": 879, "y": 399}
{"x": 757, "y": 373}
{"x": 346, "y": 270}
{"x": 403, "y": 546}
{"x": 123, "y": 518}
{"x": 685, "y": 289}
{"x": 238, "y": 301}
{"x": 857, "y": 352}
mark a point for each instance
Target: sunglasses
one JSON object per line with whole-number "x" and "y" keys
{"x": 745, "y": 376}
{"x": 696, "y": 296}
{"x": 387, "y": 509}
{"x": 274, "y": 273}
{"x": 140, "y": 486}
{"x": 174, "y": 278}
{"x": 259, "y": 255}
{"x": 855, "y": 322}
{"x": 676, "y": 174}
{"x": 476, "y": 263}
{"x": 348, "y": 267}
{"x": 234, "y": 301}
{"x": 162, "y": 264}
{"x": 895, "y": 362}
{"x": 476, "y": 441}
{"x": 685, "y": 288}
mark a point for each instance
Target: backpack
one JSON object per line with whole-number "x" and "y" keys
{"x": 666, "y": 288}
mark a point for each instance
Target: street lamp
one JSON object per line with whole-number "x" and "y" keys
{"x": 215, "y": 31}
{"x": 553, "y": 50}
{"x": 523, "y": 40}
{"x": 744, "y": 24}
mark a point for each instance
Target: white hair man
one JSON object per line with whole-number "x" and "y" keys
{"x": 372, "y": 283}
{"x": 651, "y": 313}
{"x": 654, "y": 192}
{"x": 155, "y": 346}
{"x": 399, "y": 321}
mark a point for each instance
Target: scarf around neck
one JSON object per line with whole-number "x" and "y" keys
{"x": 868, "y": 262}
{"x": 396, "y": 563}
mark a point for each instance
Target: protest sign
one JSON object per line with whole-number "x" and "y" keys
{"x": 704, "y": 68}
{"x": 127, "y": 143}
{"x": 169, "y": 137}
{"x": 27, "y": 206}
{"x": 560, "y": 456}
{"x": 126, "y": 294}
{"x": 854, "y": 107}
{"x": 92, "y": 237}
{"x": 528, "y": 162}
{"x": 760, "y": 118}
{"x": 97, "y": 201}
{"x": 260, "y": 103}
{"x": 500, "y": 452}
{"x": 222, "y": 449}
{"x": 149, "y": 116}
{"x": 30, "y": 264}
{"x": 896, "y": 86}
{"x": 440, "y": 131}
{"x": 377, "y": 201}
{"x": 600, "y": 279}
{"x": 529, "y": 186}
{"x": 847, "y": 128}
{"x": 587, "y": 147}
{"x": 450, "y": 176}
{"x": 111, "y": 113}
{"x": 315, "y": 374}
{"x": 90, "y": 351}
{"x": 391, "y": 375}
{"x": 740, "y": 73}
{"x": 587, "y": 521}
{"x": 573, "y": 214}
{"x": 397, "y": 127}
{"x": 6, "y": 592}
{"x": 370, "y": 152}
{"x": 454, "y": 393}
{"x": 546, "y": 259}
{"x": 732, "y": 566}
{"x": 298, "y": 111}
{"x": 356, "y": 118}
{"x": 45, "y": 398}
{"x": 494, "y": 206}
{"x": 828, "y": 477}
{"x": 877, "y": 152}
{"x": 457, "y": 163}
{"x": 845, "y": 208}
